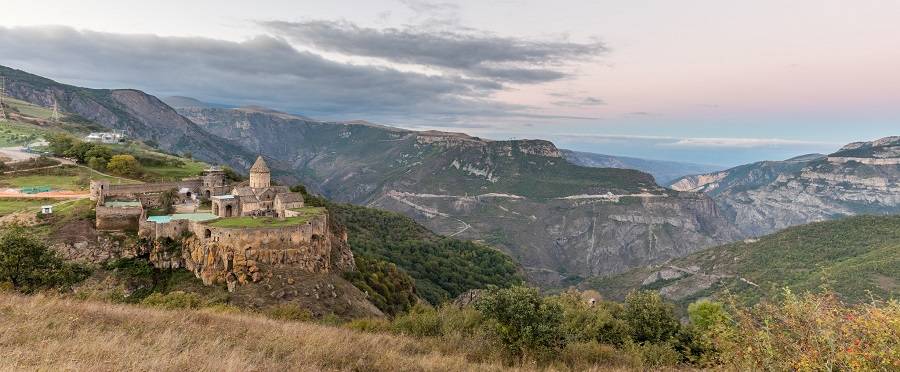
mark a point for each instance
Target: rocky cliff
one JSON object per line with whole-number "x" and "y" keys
{"x": 760, "y": 198}
{"x": 560, "y": 220}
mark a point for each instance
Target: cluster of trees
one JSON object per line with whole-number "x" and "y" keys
{"x": 390, "y": 289}
{"x": 96, "y": 156}
{"x": 442, "y": 268}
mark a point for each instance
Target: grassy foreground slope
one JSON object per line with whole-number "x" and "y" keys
{"x": 54, "y": 334}
{"x": 857, "y": 257}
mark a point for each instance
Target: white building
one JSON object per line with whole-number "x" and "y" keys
{"x": 105, "y": 137}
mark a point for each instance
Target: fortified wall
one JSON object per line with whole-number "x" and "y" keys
{"x": 119, "y": 218}
{"x": 235, "y": 256}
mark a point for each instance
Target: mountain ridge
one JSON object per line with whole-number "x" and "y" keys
{"x": 138, "y": 114}
{"x": 763, "y": 197}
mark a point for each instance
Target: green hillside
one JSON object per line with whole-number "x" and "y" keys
{"x": 442, "y": 268}
{"x": 857, "y": 257}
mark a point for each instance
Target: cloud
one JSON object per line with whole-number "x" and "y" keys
{"x": 264, "y": 70}
{"x": 434, "y": 13}
{"x": 580, "y": 102}
{"x": 472, "y": 53}
{"x": 694, "y": 142}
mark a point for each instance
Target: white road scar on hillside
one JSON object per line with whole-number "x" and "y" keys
{"x": 610, "y": 196}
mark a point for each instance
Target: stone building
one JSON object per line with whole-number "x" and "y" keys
{"x": 257, "y": 197}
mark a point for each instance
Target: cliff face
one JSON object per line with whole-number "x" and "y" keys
{"x": 577, "y": 236}
{"x": 560, "y": 220}
{"x": 237, "y": 256}
{"x": 760, "y": 198}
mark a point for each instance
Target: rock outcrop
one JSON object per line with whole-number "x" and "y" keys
{"x": 237, "y": 256}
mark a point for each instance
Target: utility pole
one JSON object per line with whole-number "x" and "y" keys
{"x": 55, "y": 116}
{"x": 2, "y": 93}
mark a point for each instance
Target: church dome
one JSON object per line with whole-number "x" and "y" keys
{"x": 259, "y": 166}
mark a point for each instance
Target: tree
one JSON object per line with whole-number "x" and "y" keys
{"x": 100, "y": 152}
{"x": 124, "y": 165}
{"x": 27, "y": 263}
{"x": 59, "y": 143}
{"x": 79, "y": 150}
{"x": 649, "y": 317}
{"x": 167, "y": 200}
{"x": 524, "y": 322}
{"x": 231, "y": 175}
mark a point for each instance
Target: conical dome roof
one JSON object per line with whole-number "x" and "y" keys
{"x": 259, "y": 166}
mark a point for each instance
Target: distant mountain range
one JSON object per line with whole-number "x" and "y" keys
{"x": 763, "y": 197}
{"x": 663, "y": 171}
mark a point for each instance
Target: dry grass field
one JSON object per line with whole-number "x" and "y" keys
{"x": 52, "y": 334}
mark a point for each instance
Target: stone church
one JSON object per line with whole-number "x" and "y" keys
{"x": 257, "y": 197}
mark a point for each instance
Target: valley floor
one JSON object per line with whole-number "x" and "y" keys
{"x": 47, "y": 333}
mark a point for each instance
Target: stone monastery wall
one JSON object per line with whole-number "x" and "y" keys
{"x": 240, "y": 255}
{"x": 123, "y": 219}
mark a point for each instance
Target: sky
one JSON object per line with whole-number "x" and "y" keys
{"x": 703, "y": 81}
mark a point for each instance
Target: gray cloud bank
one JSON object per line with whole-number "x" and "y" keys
{"x": 472, "y": 53}
{"x": 264, "y": 70}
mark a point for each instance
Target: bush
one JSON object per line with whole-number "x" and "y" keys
{"x": 28, "y": 265}
{"x": 523, "y": 321}
{"x": 650, "y": 319}
{"x": 124, "y": 165}
{"x": 373, "y": 325}
{"x": 174, "y": 300}
{"x": 421, "y": 321}
{"x": 812, "y": 332}
{"x": 289, "y": 312}
{"x": 591, "y": 354}
{"x": 390, "y": 289}
{"x": 654, "y": 354}
{"x": 582, "y": 322}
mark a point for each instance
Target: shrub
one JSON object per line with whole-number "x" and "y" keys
{"x": 374, "y": 325}
{"x": 654, "y": 354}
{"x": 289, "y": 312}
{"x": 585, "y": 355}
{"x": 174, "y": 300}
{"x": 420, "y": 321}
{"x": 649, "y": 317}
{"x": 812, "y": 332}
{"x": 582, "y": 322}
{"x": 390, "y": 289}
{"x": 124, "y": 165}
{"x": 28, "y": 265}
{"x": 523, "y": 321}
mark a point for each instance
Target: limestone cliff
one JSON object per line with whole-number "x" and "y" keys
{"x": 567, "y": 238}
{"x": 760, "y": 198}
